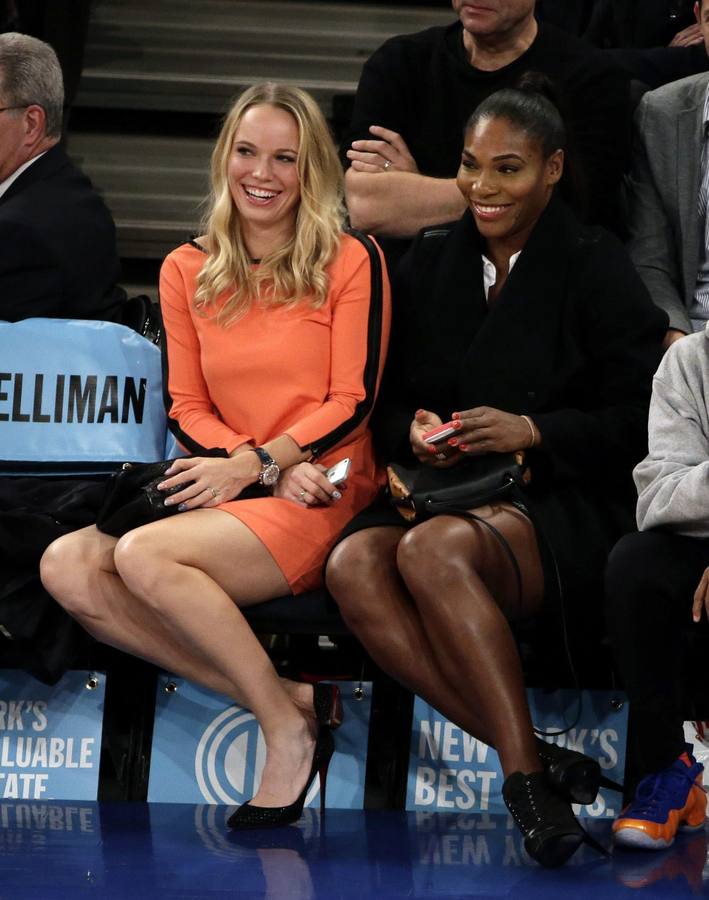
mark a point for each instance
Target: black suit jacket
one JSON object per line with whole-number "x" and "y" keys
{"x": 57, "y": 245}
{"x": 572, "y": 340}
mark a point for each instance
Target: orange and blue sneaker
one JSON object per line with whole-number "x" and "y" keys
{"x": 666, "y": 802}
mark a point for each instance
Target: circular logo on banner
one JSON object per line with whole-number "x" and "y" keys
{"x": 230, "y": 758}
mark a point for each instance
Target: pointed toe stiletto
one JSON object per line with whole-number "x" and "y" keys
{"x": 327, "y": 704}
{"x": 551, "y": 832}
{"x": 574, "y": 776}
{"x": 250, "y": 816}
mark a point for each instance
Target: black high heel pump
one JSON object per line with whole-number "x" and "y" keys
{"x": 248, "y": 816}
{"x": 327, "y": 704}
{"x": 551, "y": 832}
{"x": 574, "y": 776}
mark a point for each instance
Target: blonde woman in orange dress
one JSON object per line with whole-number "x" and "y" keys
{"x": 276, "y": 323}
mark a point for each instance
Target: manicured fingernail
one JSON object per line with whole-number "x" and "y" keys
{"x": 418, "y": 412}
{"x": 336, "y": 495}
{"x": 168, "y": 501}
{"x": 463, "y": 447}
{"x": 457, "y": 423}
{"x": 453, "y": 442}
{"x": 455, "y": 415}
{"x": 431, "y": 448}
{"x": 182, "y": 507}
{"x": 168, "y": 471}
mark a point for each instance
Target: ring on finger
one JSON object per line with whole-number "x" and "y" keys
{"x": 301, "y": 493}
{"x": 387, "y": 164}
{"x": 214, "y": 492}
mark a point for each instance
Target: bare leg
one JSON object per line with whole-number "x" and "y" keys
{"x": 363, "y": 578}
{"x": 463, "y": 585}
{"x": 169, "y": 573}
{"x": 80, "y": 572}
{"x": 133, "y": 627}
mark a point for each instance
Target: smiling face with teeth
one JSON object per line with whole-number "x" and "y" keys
{"x": 263, "y": 177}
{"x": 506, "y": 181}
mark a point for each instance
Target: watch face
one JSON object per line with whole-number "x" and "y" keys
{"x": 269, "y": 475}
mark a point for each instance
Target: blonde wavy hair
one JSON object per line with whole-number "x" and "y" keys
{"x": 296, "y": 270}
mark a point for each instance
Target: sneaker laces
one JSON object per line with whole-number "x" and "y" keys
{"x": 655, "y": 790}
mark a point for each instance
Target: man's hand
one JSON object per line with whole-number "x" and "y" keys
{"x": 385, "y": 154}
{"x": 688, "y": 36}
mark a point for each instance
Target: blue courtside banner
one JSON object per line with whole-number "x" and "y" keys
{"x": 451, "y": 771}
{"x": 50, "y": 736}
{"x": 81, "y": 396}
{"x": 208, "y": 749}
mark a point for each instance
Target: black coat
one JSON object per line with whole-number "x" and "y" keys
{"x": 57, "y": 245}
{"x": 572, "y": 340}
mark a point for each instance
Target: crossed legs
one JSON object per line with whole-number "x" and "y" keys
{"x": 170, "y": 593}
{"x": 431, "y": 605}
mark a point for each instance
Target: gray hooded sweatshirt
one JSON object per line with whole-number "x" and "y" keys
{"x": 673, "y": 479}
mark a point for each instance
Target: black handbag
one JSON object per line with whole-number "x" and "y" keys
{"x": 132, "y": 497}
{"x": 420, "y": 493}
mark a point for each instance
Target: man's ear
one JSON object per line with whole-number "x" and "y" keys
{"x": 35, "y": 123}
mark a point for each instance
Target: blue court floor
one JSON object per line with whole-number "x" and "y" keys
{"x": 134, "y": 851}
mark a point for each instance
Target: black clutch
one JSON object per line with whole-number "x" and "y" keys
{"x": 132, "y": 497}
{"x": 476, "y": 481}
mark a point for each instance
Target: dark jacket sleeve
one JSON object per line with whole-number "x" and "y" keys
{"x": 597, "y": 108}
{"x": 31, "y": 282}
{"x": 655, "y": 66}
{"x": 621, "y": 330}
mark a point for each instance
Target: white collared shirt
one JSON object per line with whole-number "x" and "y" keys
{"x": 4, "y": 185}
{"x": 490, "y": 272}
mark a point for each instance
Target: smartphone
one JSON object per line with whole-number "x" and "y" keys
{"x": 436, "y": 435}
{"x": 338, "y": 473}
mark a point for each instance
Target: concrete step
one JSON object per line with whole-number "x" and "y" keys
{"x": 158, "y": 59}
{"x": 196, "y": 57}
{"x": 154, "y": 186}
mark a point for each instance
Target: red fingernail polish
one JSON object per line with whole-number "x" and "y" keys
{"x": 463, "y": 447}
{"x": 455, "y": 415}
{"x": 457, "y": 423}
{"x": 453, "y": 442}
{"x": 430, "y": 448}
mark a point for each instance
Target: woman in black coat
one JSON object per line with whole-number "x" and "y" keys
{"x": 528, "y": 331}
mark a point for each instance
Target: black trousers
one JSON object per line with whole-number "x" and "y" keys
{"x": 650, "y": 584}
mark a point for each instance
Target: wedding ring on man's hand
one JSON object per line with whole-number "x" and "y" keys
{"x": 215, "y": 493}
{"x": 387, "y": 164}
